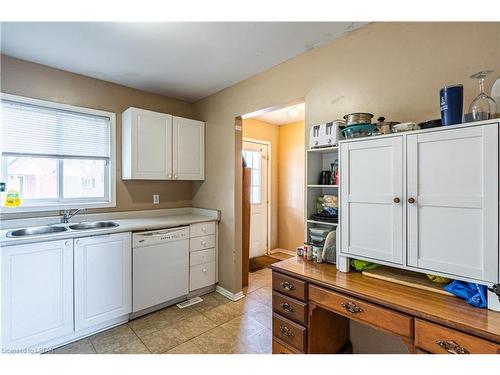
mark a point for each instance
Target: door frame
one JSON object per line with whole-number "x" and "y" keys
{"x": 269, "y": 184}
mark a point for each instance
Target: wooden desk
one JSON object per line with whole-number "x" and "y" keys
{"x": 427, "y": 322}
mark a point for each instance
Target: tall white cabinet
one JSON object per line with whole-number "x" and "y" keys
{"x": 37, "y": 293}
{"x": 159, "y": 146}
{"x": 425, "y": 201}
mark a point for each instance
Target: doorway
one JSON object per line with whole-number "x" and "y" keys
{"x": 273, "y": 224}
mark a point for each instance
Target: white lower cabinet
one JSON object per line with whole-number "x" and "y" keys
{"x": 102, "y": 279}
{"x": 37, "y": 294}
{"x": 201, "y": 276}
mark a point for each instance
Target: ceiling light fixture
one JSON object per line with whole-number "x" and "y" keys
{"x": 294, "y": 111}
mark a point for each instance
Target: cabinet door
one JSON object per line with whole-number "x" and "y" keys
{"x": 371, "y": 199}
{"x": 188, "y": 149}
{"x": 152, "y": 145}
{"x": 453, "y": 224}
{"x": 102, "y": 279}
{"x": 37, "y": 293}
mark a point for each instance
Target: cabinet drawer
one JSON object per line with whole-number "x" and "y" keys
{"x": 201, "y": 229}
{"x": 290, "y": 286}
{"x": 201, "y": 276}
{"x": 201, "y": 243}
{"x": 289, "y": 332}
{"x": 202, "y": 257}
{"x": 292, "y": 309}
{"x": 362, "y": 311}
{"x": 434, "y": 338}
{"x": 279, "y": 348}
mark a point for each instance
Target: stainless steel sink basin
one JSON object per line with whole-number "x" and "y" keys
{"x": 35, "y": 231}
{"x": 93, "y": 225}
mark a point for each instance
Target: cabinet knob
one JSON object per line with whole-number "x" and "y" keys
{"x": 169, "y": 176}
{"x": 175, "y": 177}
{"x": 78, "y": 242}
{"x": 396, "y": 200}
{"x": 203, "y": 243}
{"x": 411, "y": 200}
{"x": 204, "y": 229}
{"x": 68, "y": 243}
{"x": 204, "y": 270}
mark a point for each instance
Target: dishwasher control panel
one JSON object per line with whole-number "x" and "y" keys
{"x": 160, "y": 236}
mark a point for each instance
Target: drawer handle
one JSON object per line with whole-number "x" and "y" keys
{"x": 351, "y": 307}
{"x": 287, "y": 308}
{"x": 452, "y": 347}
{"x": 287, "y": 286}
{"x": 286, "y": 331}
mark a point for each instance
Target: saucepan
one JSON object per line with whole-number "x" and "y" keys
{"x": 358, "y": 118}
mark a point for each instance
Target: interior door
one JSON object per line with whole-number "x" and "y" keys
{"x": 188, "y": 161}
{"x": 153, "y": 145}
{"x": 256, "y": 156}
{"x": 372, "y": 199}
{"x": 452, "y": 189}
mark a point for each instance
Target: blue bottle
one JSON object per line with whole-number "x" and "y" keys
{"x": 451, "y": 99}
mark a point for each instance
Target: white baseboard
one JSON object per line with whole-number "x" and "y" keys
{"x": 226, "y": 293}
{"x": 284, "y": 251}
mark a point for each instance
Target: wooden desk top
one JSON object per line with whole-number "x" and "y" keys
{"x": 445, "y": 310}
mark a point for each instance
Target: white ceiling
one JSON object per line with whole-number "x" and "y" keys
{"x": 284, "y": 115}
{"x": 188, "y": 61}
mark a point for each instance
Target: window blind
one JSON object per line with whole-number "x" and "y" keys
{"x": 37, "y": 130}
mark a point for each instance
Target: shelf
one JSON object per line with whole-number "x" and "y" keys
{"x": 322, "y": 186}
{"x": 324, "y": 149}
{"x": 322, "y": 223}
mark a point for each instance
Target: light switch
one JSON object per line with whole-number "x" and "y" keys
{"x": 156, "y": 199}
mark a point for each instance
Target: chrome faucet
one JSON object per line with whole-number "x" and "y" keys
{"x": 67, "y": 214}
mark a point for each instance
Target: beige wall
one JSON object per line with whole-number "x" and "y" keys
{"x": 390, "y": 69}
{"x": 291, "y": 186}
{"x": 264, "y": 131}
{"x": 41, "y": 82}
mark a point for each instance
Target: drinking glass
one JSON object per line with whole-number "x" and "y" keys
{"x": 483, "y": 107}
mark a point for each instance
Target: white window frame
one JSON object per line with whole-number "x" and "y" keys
{"x": 72, "y": 202}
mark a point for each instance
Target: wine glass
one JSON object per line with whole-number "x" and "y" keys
{"x": 483, "y": 107}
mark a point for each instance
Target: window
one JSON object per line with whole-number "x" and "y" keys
{"x": 56, "y": 156}
{"x": 254, "y": 161}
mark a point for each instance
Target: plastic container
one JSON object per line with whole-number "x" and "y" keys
{"x": 361, "y": 130}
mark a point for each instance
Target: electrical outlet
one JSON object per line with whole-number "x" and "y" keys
{"x": 156, "y": 199}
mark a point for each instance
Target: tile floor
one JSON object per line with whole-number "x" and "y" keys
{"x": 214, "y": 326}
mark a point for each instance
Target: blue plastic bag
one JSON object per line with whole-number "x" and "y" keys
{"x": 473, "y": 294}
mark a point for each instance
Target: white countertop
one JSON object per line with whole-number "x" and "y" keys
{"x": 128, "y": 222}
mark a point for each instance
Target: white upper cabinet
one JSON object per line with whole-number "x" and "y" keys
{"x": 371, "y": 199}
{"x": 146, "y": 145}
{"x": 452, "y": 184}
{"x": 188, "y": 149}
{"x": 158, "y": 146}
{"x": 36, "y": 293}
{"x": 103, "y": 279}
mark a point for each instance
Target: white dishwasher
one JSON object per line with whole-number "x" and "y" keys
{"x": 160, "y": 269}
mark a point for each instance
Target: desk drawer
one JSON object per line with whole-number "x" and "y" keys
{"x": 279, "y": 348}
{"x": 290, "y": 308}
{"x": 441, "y": 340}
{"x": 289, "y": 332}
{"x": 201, "y": 243}
{"x": 364, "y": 312}
{"x": 290, "y": 286}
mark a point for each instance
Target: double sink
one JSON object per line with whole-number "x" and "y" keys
{"x": 49, "y": 229}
